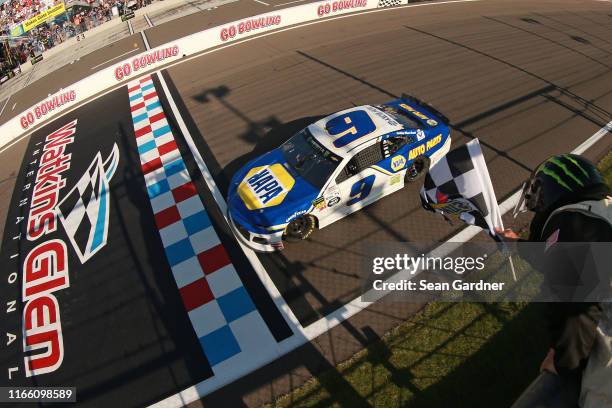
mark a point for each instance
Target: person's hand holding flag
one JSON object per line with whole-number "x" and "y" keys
{"x": 459, "y": 185}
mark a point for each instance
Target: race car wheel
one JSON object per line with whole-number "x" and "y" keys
{"x": 300, "y": 228}
{"x": 417, "y": 170}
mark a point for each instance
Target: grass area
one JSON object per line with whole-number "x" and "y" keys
{"x": 605, "y": 165}
{"x": 448, "y": 354}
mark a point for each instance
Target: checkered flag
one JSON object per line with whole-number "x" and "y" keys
{"x": 459, "y": 184}
{"x": 389, "y": 3}
{"x": 84, "y": 211}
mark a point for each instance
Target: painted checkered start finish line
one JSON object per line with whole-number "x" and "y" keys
{"x": 221, "y": 311}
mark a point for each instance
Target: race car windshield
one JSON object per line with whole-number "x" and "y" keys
{"x": 309, "y": 158}
{"x": 402, "y": 117}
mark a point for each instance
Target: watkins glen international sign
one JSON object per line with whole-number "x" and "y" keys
{"x": 42, "y": 256}
{"x": 87, "y": 293}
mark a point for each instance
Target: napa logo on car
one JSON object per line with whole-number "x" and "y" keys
{"x": 265, "y": 186}
{"x": 398, "y": 163}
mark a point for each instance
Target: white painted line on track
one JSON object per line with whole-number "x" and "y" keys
{"x": 13, "y": 108}
{"x": 5, "y": 103}
{"x": 129, "y": 23}
{"x": 290, "y": 2}
{"x": 145, "y": 40}
{"x": 149, "y": 22}
{"x": 262, "y": 2}
{"x": 115, "y": 58}
{"x": 593, "y": 139}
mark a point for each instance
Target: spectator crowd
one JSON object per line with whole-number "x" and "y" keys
{"x": 79, "y": 17}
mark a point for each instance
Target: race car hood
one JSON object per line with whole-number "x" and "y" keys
{"x": 268, "y": 193}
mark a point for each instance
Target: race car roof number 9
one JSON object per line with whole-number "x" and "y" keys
{"x": 349, "y": 127}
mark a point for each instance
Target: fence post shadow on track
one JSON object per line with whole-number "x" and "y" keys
{"x": 588, "y": 105}
{"x": 480, "y": 381}
{"x": 557, "y": 43}
{"x": 488, "y": 377}
{"x": 265, "y": 135}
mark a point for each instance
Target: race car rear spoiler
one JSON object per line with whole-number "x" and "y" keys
{"x": 427, "y": 106}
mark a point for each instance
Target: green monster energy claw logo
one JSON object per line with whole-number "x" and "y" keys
{"x": 570, "y": 158}
{"x": 563, "y": 167}
{"x": 555, "y": 177}
{"x": 558, "y": 163}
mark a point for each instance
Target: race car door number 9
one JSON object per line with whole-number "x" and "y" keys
{"x": 361, "y": 189}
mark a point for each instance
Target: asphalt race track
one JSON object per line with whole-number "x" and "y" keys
{"x": 528, "y": 78}
{"x": 519, "y": 99}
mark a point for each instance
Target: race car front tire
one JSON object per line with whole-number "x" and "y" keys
{"x": 300, "y": 228}
{"x": 422, "y": 166}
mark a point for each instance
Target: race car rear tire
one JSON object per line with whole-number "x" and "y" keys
{"x": 300, "y": 228}
{"x": 422, "y": 166}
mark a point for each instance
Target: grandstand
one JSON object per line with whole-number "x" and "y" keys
{"x": 18, "y": 72}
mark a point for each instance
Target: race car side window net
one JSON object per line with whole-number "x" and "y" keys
{"x": 362, "y": 160}
{"x": 392, "y": 145}
{"x": 345, "y": 173}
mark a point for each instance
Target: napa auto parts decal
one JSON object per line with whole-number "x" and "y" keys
{"x": 53, "y": 220}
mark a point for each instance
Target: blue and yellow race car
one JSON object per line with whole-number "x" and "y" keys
{"x": 332, "y": 168}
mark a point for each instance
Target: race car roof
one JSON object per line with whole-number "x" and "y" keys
{"x": 343, "y": 131}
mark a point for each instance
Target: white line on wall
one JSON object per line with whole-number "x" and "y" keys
{"x": 145, "y": 40}
{"x": 149, "y": 22}
{"x": 115, "y": 58}
{"x": 4, "y": 106}
{"x": 290, "y": 2}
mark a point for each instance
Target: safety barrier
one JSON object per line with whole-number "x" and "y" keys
{"x": 173, "y": 51}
